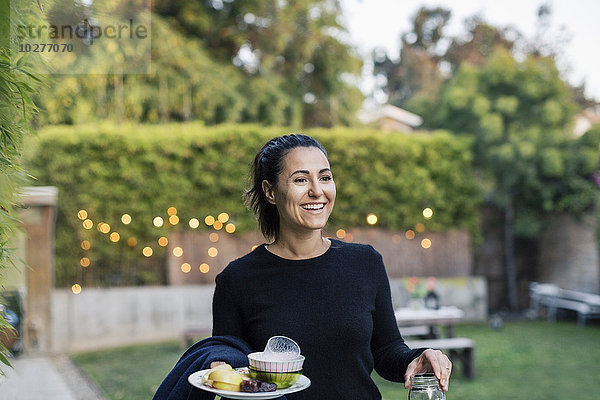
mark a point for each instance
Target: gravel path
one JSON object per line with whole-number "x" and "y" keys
{"x": 46, "y": 378}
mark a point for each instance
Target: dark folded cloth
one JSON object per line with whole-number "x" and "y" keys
{"x": 199, "y": 356}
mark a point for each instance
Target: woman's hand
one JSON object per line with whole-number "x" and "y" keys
{"x": 215, "y": 363}
{"x": 430, "y": 361}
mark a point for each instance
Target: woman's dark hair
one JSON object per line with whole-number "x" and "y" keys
{"x": 267, "y": 165}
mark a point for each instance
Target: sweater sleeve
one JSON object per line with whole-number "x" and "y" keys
{"x": 390, "y": 352}
{"x": 226, "y": 311}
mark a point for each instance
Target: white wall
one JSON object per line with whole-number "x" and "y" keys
{"x": 100, "y": 318}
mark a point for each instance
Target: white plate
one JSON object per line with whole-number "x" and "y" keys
{"x": 196, "y": 379}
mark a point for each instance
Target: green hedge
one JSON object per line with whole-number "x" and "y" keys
{"x": 143, "y": 170}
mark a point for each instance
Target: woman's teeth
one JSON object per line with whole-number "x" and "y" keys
{"x": 313, "y": 206}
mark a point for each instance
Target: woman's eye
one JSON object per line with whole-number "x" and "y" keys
{"x": 300, "y": 180}
{"x": 327, "y": 178}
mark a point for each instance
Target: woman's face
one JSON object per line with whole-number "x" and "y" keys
{"x": 305, "y": 192}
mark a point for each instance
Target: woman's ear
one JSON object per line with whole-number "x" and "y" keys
{"x": 268, "y": 191}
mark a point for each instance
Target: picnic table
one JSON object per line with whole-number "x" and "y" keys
{"x": 459, "y": 348}
{"x": 432, "y": 319}
{"x": 553, "y": 298}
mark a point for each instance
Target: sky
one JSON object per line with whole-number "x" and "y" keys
{"x": 380, "y": 23}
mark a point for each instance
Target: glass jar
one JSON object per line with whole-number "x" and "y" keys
{"x": 425, "y": 387}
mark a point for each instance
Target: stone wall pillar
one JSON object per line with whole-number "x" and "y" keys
{"x": 38, "y": 217}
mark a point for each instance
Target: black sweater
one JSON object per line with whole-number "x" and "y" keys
{"x": 336, "y": 306}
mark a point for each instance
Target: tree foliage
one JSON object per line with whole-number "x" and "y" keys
{"x": 428, "y": 56}
{"x": 17, "y": 84}
{"x": 520, "y": 114}
{"x": 416, "y": 76}
{"x": 271, "y": 62}
{"x": 479, "y": 43}
{"x": 507, "y": 94}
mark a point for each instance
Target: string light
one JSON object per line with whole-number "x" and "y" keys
{"x": 212, "y": 252}
{"x": 85, "y": 245}
{"x": 177, "y": 251}
{"x": 88, "y": 224}
{"x": 126, "y": 219}
{"x": 147, "y": 251}
{"x": 230, "y": 228}
{"x": 223, "y": 217}
{"x": 428, "y": 213}
{"x": 194, "y": 223}
{"x": 340, "y": 233}
{"x": 425, "y": 243}
{"x": 172, "y": 211}
{"x": 254, "y": 247}
{"x": 104, "y": 227}
{"x": 84, "y": 262}
{"x": 213, "y": 237}
{"x": 204, "y": 268}
{"x": 115, "y": 237}
{"x": 131, "y": 242}
{"x": 158, "y": 222}
{"x": 371, "y": 219}
{"x": 419, "y": 227}
{"x": 76, "y": 288}
{"x": 218, "y": 225}
{"x": 82, "y": 214}
{"x": 209, "y": 220}
{"x": 163, "y": 241}
{"x": 186, "y": 268}
{"x": 173, "y": 219}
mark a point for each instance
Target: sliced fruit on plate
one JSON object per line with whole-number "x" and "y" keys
{"x": 221, "y": 367}
{"x": 223, "y": 379}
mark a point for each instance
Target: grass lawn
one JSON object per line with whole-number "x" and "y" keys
{"x": 130, "y": 373}
{"x": 527, "y": 360}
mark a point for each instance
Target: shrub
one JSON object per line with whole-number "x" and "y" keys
{"x": 142, "y": 170}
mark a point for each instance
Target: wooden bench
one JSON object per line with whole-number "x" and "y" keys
{"x": 415, "y": 331}
{"x": 460, "y": 348}
{"x": 192, "y": 334}
{"x": 553, "y": 298}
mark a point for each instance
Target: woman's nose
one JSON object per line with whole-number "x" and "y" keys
{"x": 315, "y": 190}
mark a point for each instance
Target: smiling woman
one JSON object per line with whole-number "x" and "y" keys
{"x": 331, "y": 297}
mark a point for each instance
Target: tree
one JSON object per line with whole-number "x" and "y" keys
{"x": 184, "y": 83}
{"x": 270, "y": 62}
{"x": 17, "y": 84}
{"x": 416, "y": 75}
{"x": 479, "y": 43}
{"x": 294, "y": 42}
{"x": 519, "y": 113}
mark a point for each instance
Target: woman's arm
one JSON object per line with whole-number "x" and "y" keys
{"x": 227, "y": 317}
{"x": 394, "y": 360}
{"x": 226, "y": 312}
{"x": 391, "y": 355}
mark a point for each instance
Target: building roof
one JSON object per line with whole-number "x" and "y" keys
{"x": 586, "y": 119}
{"x": 390, "y": 111}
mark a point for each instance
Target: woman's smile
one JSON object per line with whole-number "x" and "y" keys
{"x": 314, "y": 208}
